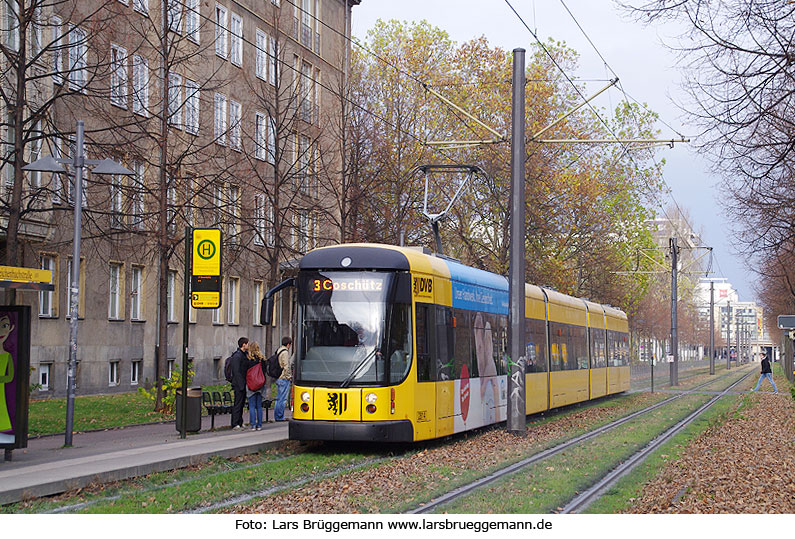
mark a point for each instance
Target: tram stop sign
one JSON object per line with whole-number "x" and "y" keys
{"x": 206, "y": 269}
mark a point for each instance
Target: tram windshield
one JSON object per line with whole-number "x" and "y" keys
{"x": 355, "y": 328}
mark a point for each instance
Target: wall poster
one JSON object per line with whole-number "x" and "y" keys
{"x": 14, "y": 375}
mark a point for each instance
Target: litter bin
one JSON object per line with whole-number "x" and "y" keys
{"x": 193, "y": 413}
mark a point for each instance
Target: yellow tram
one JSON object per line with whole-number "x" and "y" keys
{"x": 394, "y": 344}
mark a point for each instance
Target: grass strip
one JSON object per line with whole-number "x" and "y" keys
{"x": 545, "y": 486}
{"x": 94, "y": 412}
{"x": 183, "y": 490}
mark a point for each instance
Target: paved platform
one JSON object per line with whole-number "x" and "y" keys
{"x": 45, "y": 467}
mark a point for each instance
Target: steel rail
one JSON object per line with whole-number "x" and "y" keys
{"x": 586, "y": 498}
{"x": 502, "y": 472}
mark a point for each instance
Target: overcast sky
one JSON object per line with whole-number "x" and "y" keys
{"x": 647, "y": 71}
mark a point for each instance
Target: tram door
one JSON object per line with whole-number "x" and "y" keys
{"x": 425, "y": 394}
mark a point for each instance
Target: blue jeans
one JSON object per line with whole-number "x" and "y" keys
{"x": 282, "y": 390}
{"x": 255, "y": 409}
{"x": 769, "y": 377}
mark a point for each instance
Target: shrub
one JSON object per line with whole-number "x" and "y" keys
{"x": 170, "y": 387}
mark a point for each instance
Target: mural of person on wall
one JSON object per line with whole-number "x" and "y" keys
{"x": 6, "y": 377}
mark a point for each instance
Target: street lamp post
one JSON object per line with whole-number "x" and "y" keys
{"x": 104, "y": 166}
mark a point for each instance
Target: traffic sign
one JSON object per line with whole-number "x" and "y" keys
{"x": 206, "y": 268}
{"x": 786, "y": 321}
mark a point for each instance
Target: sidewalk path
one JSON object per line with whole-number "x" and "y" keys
{"x": 45, "y": 467}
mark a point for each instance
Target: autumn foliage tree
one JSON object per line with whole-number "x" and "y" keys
{"x": 586, "y": 205}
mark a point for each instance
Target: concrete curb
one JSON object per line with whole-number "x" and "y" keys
{"x": 55, "y": 477}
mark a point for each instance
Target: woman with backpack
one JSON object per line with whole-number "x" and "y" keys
{"x": 255, "y": 385}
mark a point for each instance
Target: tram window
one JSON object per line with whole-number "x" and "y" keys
{"x": 556, "y": 338}
{"x": 425, "y": 365}
{"x": 580, "y": 344}
{"x": 501, "y": 345}
{"x": 597, "y": 361}
{"x": 445, "y": 343}
{"x": 399, "y": 351}
{"x": 535, "y": 332}
{"x": 462, "y": 346}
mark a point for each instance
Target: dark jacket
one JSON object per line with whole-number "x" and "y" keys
{"x": 240, "y": 365}
{"x": 766, "y": 366}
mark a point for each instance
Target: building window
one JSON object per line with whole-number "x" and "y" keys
{"x": 172, "y": 296}
{"x": 116, "y": 202}
{"x": 234, "y": 214}
{"x": 305, "y": 92}
{"x": 47, "y": 297}
{"x": 12, "y": 25}
{"x": 136, "y": 280}
{"x": 57, "y": 52}
{"x": 140, "y": 85}
{"x": 260, "y": 224}
{"x": 44, "y": 376}
{"x": 118, "y": 76}
{"x": 234, "y": 125}
{"x": 171, "y": 207}
{"x": 142, "y": 6}
{"x": 271, "y": 149}
{"x": 192, "y": 8}
{"x": 262, "y": 54}
{"x": 218, "y": 368}
{"x": 257, "y": 302}
{"x": 78, "y": 59}
{"x": 273, "y": 64}
{"x": 135, "y": 371}
{"x": 306, "y": 22}
{"x": 35, "y": 153}
{"x": 220, "y": 31}
{"x": 137, "y": 197}
{"x": 218, "y": 315}
{"x": 174, "y": 8}
{"x": 114, "y": 297}
{"x": 233, "y": 299}
{"x": 317, "y": 24}
{"x": 35, "y": 30}
{"x": 236, "y": 37}
{"x": 171, "y": 363}
{"x": 113, "y": 373}
{"x": 218, "y": 202}
{"x": 175, "y": 100}
{"x": 191, "y": 107}
{"x": 220, "y": 119}
{"x": 261, "y": 140}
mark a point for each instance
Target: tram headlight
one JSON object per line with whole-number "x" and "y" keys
{"x": 305, "y": 396}
{"x": 371, "y": 398}
{"x": 370, "y": 408}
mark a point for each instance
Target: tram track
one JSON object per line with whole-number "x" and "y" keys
{"x": 587, "y": 497}
{"x": 469, "y": 488}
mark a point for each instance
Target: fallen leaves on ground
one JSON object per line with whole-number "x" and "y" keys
{"x": 744, "y": 465}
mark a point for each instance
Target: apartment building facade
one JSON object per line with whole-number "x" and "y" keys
{"x": 225, "y": 112}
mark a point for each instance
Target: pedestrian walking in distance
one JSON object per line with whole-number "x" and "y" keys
{"x": 766, "y": 373}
